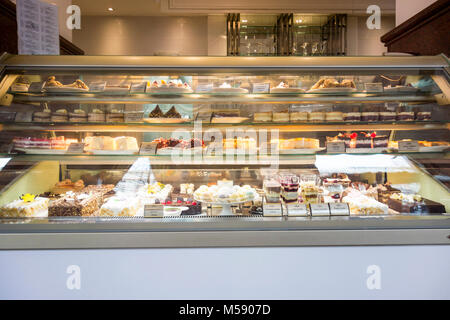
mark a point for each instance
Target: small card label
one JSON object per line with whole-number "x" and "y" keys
{"x": 148, "y": 148}
{"x": 374, "y": 87}
{"x": 297, "y": 209}
{"x": 133, "y": 116}
{"x": 153, "y": 211}
{"x": 339, "y": 209}
{"x": 204, "y": 87}
{"x": 138, "y": 87}
{"x": 336, "y": 147}
{"x": 75, "y": 147}
{"x": 36, "y": 87}
{"x": 319, "y": 209}
{"x": 97, "y": 86}
{"x": 408, "y": 146}
{"x": 272, "y": 210}
{"x": 261, "y": 88}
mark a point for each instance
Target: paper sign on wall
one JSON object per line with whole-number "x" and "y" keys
{"x": 37, "y": 27}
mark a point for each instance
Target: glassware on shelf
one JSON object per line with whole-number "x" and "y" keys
{"x": 304, "y": 46}
{"x": 323, "y": 48}
{"x": 314, "y": 48}
{"x": 272, "y": 188}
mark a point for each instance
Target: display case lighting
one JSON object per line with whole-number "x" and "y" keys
{"x": 110, "y": 9}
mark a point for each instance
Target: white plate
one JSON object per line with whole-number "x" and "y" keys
{"x": 176, "y": 211}
{"x": 64, "y": 89}
{"x": 331, "y": 90}
{"x": 229, "y": 90}
{"x": 42, "y": 151}
{"x": 169, "y": 90}
{"x": 365, "y": 150}
{"x": 167, "y": 120}
{"x": 287, "y": 90}
{"x": 113, "y": 152}
{"x": 299, "y": 151}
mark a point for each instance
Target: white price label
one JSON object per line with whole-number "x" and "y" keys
{"x": 336, "y": 147}
{"x": 261, "y": 88}
{"x": 297, "y": 209}
{"x": 272, "y": 209}
{"x": 339, "y": 209}
{"x": 75, "y": 147}
{"x": 204, "y": 87}
{"x": 153, "y": 211}
{"x": 138, "y": 87}
{"x": 373, "y": 87}
{"x": 408, "y": 146}
{"x": 133, "y": 116}
{"x": 148, "y": 148}
{"x": 97, "y": 86}
{"x": 319, "y": 209}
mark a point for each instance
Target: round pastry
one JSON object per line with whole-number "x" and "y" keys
{"x": 78, "y": 115}
{"x": 60, "y": 115}
{"x": 96, "y": 115}
{"x": 43, "y": 116}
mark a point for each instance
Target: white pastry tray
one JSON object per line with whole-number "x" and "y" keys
{"x": 113, "y": 152}
{"x": 287, "y": 90}
{"x": 366, "y": 150}
{"x": 41, "y": 151}
{"x": 169, "y": 90}
{"x": 166, "y": 120}
{"x": 64, "y": 89}
{"x": 332, "y": 90}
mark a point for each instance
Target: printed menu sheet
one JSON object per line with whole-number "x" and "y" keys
{"x": 37, "y": 27}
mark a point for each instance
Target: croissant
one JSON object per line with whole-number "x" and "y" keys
{"x": 51, "y": 82}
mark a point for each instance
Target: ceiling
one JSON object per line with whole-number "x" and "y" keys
{"x": 121, "y": 7}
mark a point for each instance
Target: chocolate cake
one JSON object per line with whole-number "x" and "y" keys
{"x": 156, "y": 113}
{"x": 172, "y": 113}
{"x": 424, "y": 206}
{"x": 194, "y": 207}
{"x": 423, "y": 116}
{"x": 74, "y": 204}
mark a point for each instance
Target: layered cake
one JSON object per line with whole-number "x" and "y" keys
{"x": 370, "y": 116}
{"x": 103, "y": 191}
{"x": 363, "y": 140}
{"x": 379, "y": 141}
{"x": 424, "y": 116}
{"x": 272, "y": 189}
{"x": 334, "y": 116}
{"x": 262, "y": 116}
{"x": 223, "y": 192}
{"x": 118, "y": 206}
{"x": 405, "y": 116}
{"x": 289, "y": 188}
{"x": 157, "y": 191}
{"x": 78, "y": 115}
{"x": 74, "y": 204}
{"x": 296, "y": 143}
{"x": 126, "y": 143}
{"x": 388, "y": 116}
{"x": 362, "y": 205}
{"x": 43, "y": 116}
{"x": 309, "y": 193}
{"x": 352, "y": 116}
{"x": 282, "y": 116}
{"x": 115, "y": 116}
{"x": 27, "y": 206}
{"x": 414, "y": 203}
{"x": 172, "y": 113}
{"x": 317, "y": 116}
{"x": 60, "y": 115}
{"x": 298, "y": 116}
{"x": 96, "y": 115}
{"x": 100, "y": 143}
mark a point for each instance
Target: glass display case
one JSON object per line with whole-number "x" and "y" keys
{"x": 127, "y": 151}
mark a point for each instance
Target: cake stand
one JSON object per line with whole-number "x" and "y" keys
{"x": 226, "y": 206}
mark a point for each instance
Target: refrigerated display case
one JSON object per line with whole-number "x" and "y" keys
{"x": 148, "y": 152}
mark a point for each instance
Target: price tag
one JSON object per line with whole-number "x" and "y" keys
{"x": 339, "y": 209}
{"x": 408, "y": 146}
{"x": 153, "y": 211}
{"x": 319, "y": 209}
{"x": 297, "y": 209}
{"x": 373, "y": 87}
{"x": 138, "y": 87}
{"x": 272, "y": 210}
{"x": 336, "y": 147}
{"x": 204, "y": 87}
{"x": 133, "y": 116}
{"x": 148, "y": 148}
{"x": 97, "y": 86}
{"x": 261, "y": 88}
{"x": 35, "y": 87}
{"x": 75, "y": 147}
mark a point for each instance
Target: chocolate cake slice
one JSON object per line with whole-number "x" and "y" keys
{"x": 156, "y": 113}
{"x": 74, "y": 204}
{"x": 423, "y": 207}
{"x": 172, "y": 113}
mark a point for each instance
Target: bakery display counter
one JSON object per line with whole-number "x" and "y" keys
{"x": 133, "y": 152}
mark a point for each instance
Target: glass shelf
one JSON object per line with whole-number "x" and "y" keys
{"x": 219, "y": 97}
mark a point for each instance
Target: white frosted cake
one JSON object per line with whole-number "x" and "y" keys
{"x": 126, "y": 143}
{"x": 119, "y": 206}
{"x": 35, "y": 207}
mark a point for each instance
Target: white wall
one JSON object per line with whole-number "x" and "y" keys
{"x": 405, "y": 9}
{"x": 362, "y": 41}
{"x": 100, "y": 35}
{"x": 217, "y": 35}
